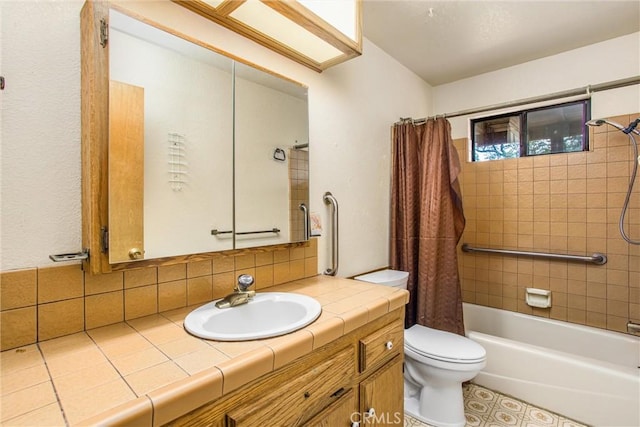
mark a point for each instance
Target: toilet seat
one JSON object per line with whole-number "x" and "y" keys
{"x": 443, "y": 346}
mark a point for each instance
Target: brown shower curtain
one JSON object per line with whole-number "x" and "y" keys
{"x": 427, "y": 222}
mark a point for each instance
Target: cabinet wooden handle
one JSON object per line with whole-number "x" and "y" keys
{"x": 389, "y": 345}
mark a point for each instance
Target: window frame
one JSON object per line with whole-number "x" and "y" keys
{"x": 523, "y": 134}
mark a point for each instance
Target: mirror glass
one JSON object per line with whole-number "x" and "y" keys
{"x": 200, "y": 110}
{"x": 271, "y": 165}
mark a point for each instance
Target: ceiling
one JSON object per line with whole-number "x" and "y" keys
{"x": 448, "y": 40}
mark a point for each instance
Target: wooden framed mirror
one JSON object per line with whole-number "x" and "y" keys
{"x": 178, "y": 144}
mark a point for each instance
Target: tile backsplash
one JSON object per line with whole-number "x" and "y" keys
{"x": 38, "y": 304}
{"x": 559, "y": 203}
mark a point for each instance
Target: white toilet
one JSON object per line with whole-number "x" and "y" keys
{"x": 436, "y": 364}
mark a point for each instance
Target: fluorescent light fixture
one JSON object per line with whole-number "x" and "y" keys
{"x": 315, "y": 33}
{"x": 262, "y": 18}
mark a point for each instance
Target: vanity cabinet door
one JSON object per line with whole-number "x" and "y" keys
{"x": 302, "y": 397}
{"x": 382, "y": 396}
{"x": 341, "y": 413}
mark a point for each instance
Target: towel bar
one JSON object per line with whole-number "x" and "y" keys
{"x": 215, "y": 232}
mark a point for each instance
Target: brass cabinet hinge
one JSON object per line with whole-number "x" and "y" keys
{"x": 104, "y": 239}
{"x": 104, "y": 32}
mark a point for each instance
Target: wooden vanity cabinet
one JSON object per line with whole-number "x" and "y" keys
{"x": 328, "y": 387}
{"x": 378, "y": 401}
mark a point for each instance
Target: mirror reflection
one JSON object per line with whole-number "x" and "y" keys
{"x": 271, "y": 169}
{"x": 199, "y": 109}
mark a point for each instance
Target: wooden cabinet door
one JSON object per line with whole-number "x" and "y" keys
{"x": 310, "y": 390}
{"x": 341, "y": 413}
{"x": 382, "y": 396}
{"x": 126, "y": 172}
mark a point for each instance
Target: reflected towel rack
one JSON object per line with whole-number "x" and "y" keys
{"x": 596, "y": 258}
{"x": 216, "y": 232}
{"x": 329, "y": 199}
{"x": 177, "y": 161}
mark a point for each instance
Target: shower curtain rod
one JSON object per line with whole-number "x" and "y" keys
{"x": 587, "y": 90}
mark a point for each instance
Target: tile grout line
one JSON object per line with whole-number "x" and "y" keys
{"x": 53, "y": 385}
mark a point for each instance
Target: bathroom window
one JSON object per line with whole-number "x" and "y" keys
{"x": 554, "y": 129}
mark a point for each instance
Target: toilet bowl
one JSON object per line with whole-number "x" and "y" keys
{"x": 436, "y": 364}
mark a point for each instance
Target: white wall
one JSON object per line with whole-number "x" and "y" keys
{"x": 40, "y": 212}
{"x": 598, "y": 63}
{"x": 354, "y": 106}
{"x": 351, "y": 106}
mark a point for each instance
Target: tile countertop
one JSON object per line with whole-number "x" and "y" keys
{"x": 149, "y": 371}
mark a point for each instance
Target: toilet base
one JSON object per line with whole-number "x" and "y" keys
{"x": 412, "y": 408}
{"x": 439, "y": 405}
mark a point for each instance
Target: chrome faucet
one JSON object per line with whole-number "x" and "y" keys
{"x": 240, "y": 293}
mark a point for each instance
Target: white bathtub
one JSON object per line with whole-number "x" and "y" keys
{"x": 584, "y": 373}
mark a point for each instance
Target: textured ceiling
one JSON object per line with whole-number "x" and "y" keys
{"x": 445, "y": 41}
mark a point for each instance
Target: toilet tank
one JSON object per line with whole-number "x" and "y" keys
{"x": 395, "y": 278}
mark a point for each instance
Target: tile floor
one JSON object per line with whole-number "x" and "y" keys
{"x": 485, "y": 408}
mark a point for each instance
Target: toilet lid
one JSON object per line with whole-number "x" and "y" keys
{"x": 441, "y": 345}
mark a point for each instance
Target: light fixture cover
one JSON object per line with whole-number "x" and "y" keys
{"x": 315, "y": 33}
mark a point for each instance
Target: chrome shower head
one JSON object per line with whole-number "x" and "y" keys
{"x": 595, "y": 122}
{"x": 600, "y": 122}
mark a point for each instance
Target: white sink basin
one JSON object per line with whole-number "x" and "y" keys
{"x": 268, "y": 314}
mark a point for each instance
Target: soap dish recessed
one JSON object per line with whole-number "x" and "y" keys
{"x": 540, "y": 298}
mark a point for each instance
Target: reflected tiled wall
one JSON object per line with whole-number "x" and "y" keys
{"x": 38, "y": 304}
{"x": 560, "y": 203}
{"x": 298, "y": 191}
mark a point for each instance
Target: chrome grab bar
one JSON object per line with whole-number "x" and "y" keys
{"x": 596, "y": 258}
{"x": 329, "y": 199}
{"x": 305, "y": 223}
{"x": 216, "y": 232}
